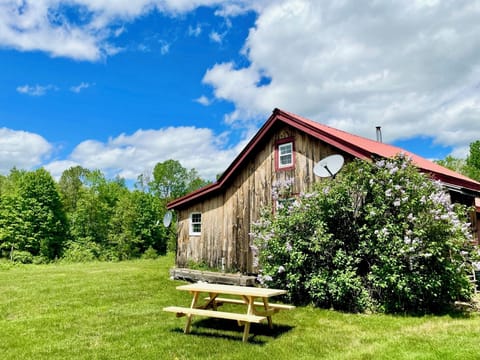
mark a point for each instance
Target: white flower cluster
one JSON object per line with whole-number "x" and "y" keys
{"x": 280, "y": 187}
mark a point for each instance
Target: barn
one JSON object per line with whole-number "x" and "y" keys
{"x": 214, "y": 222}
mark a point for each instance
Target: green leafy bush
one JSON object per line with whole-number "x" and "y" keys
{"x": 150, "y": 253}
{"x": 381, "y": 236}
{"x": 82, "y": 251}
{"x": 22, "y": 257}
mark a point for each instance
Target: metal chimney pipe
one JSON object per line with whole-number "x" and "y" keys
{"x": 379, "y": 134}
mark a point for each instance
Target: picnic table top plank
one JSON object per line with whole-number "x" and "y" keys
{"x": 231, "y": 290}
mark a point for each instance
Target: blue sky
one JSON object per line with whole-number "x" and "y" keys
{"x": 123, "y": 85}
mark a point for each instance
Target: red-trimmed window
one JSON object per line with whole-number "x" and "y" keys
{"x": 284, "y": 154}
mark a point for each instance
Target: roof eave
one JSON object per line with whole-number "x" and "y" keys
{"x": 308, "y": 128}
{"x": 219, "y": 184}
{"x": 181, "y": 201}
{"x": 334, "y": 141}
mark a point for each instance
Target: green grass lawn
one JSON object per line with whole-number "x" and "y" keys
{"x": 114, "y": 311}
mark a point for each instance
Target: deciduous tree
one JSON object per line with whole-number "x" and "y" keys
{"x": 473, "y": 161}
{"x": 171, "y": 180}
{"x": 136, "y": 225}
{"x": 32, "y": 218}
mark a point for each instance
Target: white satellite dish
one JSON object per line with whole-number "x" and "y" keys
{"x": 167, "y": 219}
{"x": 328, "y": 166}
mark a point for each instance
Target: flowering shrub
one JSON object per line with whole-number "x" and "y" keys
{"x": 381, "y": 236}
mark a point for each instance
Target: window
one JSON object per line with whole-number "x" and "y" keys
{"x": 285, "y": 154}
{"x": 195, "y": 223}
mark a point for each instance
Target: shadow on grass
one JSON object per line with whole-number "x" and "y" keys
{"x": 457, "y": 310}
{"x": 228, "y": 329}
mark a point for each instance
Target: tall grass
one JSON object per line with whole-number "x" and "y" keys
{"x": 114, "y": 311}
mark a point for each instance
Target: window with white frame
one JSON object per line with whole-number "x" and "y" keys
{"x": 195, "y": 223}
{"x": 285, "y": 155}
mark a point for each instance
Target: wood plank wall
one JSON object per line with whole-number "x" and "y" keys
{"x": 226, "y": 218}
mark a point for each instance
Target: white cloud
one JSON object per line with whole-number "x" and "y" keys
{"x": 143, "y": 48}
{"x": 127, "y": 155}
{"x": 33, "y": 25}
{"x": 240, "y": 87}
{"x": 164, "y": 48}
{"x": 194, "y": 31}
{"x": 216, "y": 37}
{"x": 130, "y": 155}
{"x": 78, "y": 88}
{"x": 413, "y": 68}
{"x": 22, "y": 149}
{"x": 119, "y": 31}
{"x": 35, "y": 90}
{"x": 44, "y": 25}
{"x": 205, "y": 101}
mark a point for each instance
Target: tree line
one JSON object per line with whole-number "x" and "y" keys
{"x": 470, "y": 166}
{"x": 85, "y": 216}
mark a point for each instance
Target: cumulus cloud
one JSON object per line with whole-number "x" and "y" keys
{"x": 411, "y": 67}
{"x": 129, "y": 155}
{"x": 44, "y": 25}
{"x": 39, "y": 25}
{"x": 22, "y": 149}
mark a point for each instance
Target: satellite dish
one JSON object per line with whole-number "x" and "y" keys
{"x": 167, "y": 219}
{"x": 329, "y": 166}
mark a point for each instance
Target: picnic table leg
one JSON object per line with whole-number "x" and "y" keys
{"x": 250, "y": 311}
{"x": 211, "y": 302}
{"x": 269, "y": 318}
{"x": 189, "y": 317}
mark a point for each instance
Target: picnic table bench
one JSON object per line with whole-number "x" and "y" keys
{"x": 257, "y": 311}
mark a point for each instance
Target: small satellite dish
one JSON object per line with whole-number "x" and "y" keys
{"x": 167, "y": 219}
{"x": 328, "y": 166}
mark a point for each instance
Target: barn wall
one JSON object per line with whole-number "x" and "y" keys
{"x": 207, "y": 247}
{"x": 226, "y": 218}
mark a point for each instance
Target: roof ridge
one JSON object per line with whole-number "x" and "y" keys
{"x": 355, "y": 145}
{"x": 380, "y": 145}
{"x": 333, "y": 129}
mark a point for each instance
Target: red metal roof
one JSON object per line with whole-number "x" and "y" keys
{"x": 354, "y": 145}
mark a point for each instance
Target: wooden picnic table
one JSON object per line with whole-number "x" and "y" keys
{"x": 257, "y": 300}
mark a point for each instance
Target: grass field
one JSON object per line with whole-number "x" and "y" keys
{"x": 114, "y": 311}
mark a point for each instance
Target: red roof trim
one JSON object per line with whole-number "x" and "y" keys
{"x": 354, "y": 145}
{"x": 231, "y": 169}
{"x": 313, "y": 130}
{"x": 193, "y": 195}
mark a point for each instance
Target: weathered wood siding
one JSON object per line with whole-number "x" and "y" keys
{"x": 226, "y": 218}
